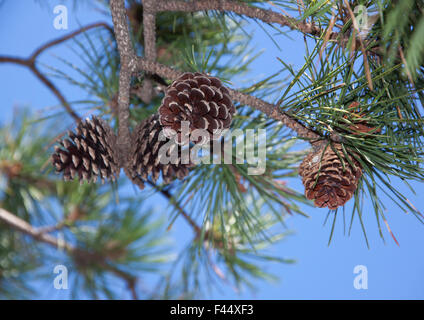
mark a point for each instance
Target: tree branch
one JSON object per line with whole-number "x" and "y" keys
{"x": 71, "y": 35}
{"x": 268, "y": 16}
{"x": 128, "y": 66}
{"x": 56, "y": 92}
{"x": 130, "y": 63}
{"x": 149, "y": 31}
{"x": 177, "y": 206}
{"x": 22, "y": 226}
{"x": 31, "y": 64}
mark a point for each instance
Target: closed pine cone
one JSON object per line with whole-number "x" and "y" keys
{"x": 199, "y": 99}
{"x": 146, "y": 144}
{"x": 359, "y": 126}
{"x": 326, "y": 181}
{"x": 88, "y": 153}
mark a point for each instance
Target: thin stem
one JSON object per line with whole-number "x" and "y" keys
{"x": 268, "y": 16}
{"x": 56, "y": 92}
{"x": 177, "y": 206}
{"x": 22, "y": 226}
{"x": 31, "y": 63}
{"x": 68, "y": 36}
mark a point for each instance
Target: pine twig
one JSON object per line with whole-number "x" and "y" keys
{"x": 171, "y": 199}
{"x": 267, "y": 16}
{"x": 24, "y": 227}
{"x": 69, "y": 36}
{"x": 30, "y": 63}
{"x": 52, "y": 228}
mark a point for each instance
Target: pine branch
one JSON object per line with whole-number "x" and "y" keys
{"x": 177, "y": 206}
{"x": 22, "y": 226}
{"x": 53, "y": 228}
{"x": 271, "y": 110}
{"x": 130, "y": 63}
{"x": 69, "y": 36}
{"x": 126, "y": 54}
{"x": 267, "y": 16}
{"x": 30, "y": 63}
{"x": 149, "y": 30}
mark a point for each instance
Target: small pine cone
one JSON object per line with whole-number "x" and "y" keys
{"x": 88, "y": 153}
{"x": 359, "y": 126}
{"x": 147, "y": 140}
{"x": 199, "y": 99}
{"x": 325, "y": 180}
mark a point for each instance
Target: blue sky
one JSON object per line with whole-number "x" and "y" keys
{"x": 321, "y": 271}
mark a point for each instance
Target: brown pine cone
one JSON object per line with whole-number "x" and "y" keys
{"x": 325, "y": 180}
{"x": 199, "y": 99}
{"x": 358, "y": 126}
{"x": 147, "y": 140}
{"x": 88, "y": 153}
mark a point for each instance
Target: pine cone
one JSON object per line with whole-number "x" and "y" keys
{"x": 88, "y": 153}
{"x": 359, "y": 126}
{"x": 201, "y": 100}
{"x": 147, "y": 140}
{"x": 325, "y": 180}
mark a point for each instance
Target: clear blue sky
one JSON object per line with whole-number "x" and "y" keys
{"x": 321, "y": 271}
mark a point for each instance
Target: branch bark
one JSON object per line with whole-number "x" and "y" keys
{"x": 128, "y": 66}
{"x": 149, "y": 31}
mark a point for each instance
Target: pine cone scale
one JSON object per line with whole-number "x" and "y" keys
{"x": 201, "y": 100}
{"x": 147, "y": 159}
{"x": 87, "y": 153}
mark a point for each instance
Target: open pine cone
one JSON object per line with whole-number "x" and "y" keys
{"x": 146, "y": 144}
{"x": 326, "y": 181}
{"x": 88, "y": 153}
{"x": 199, "y": 99}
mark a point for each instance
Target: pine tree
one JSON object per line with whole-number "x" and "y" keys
{"x": 344, "y": 124}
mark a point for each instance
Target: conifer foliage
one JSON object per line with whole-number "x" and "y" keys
{"x": 345, "y": 122}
